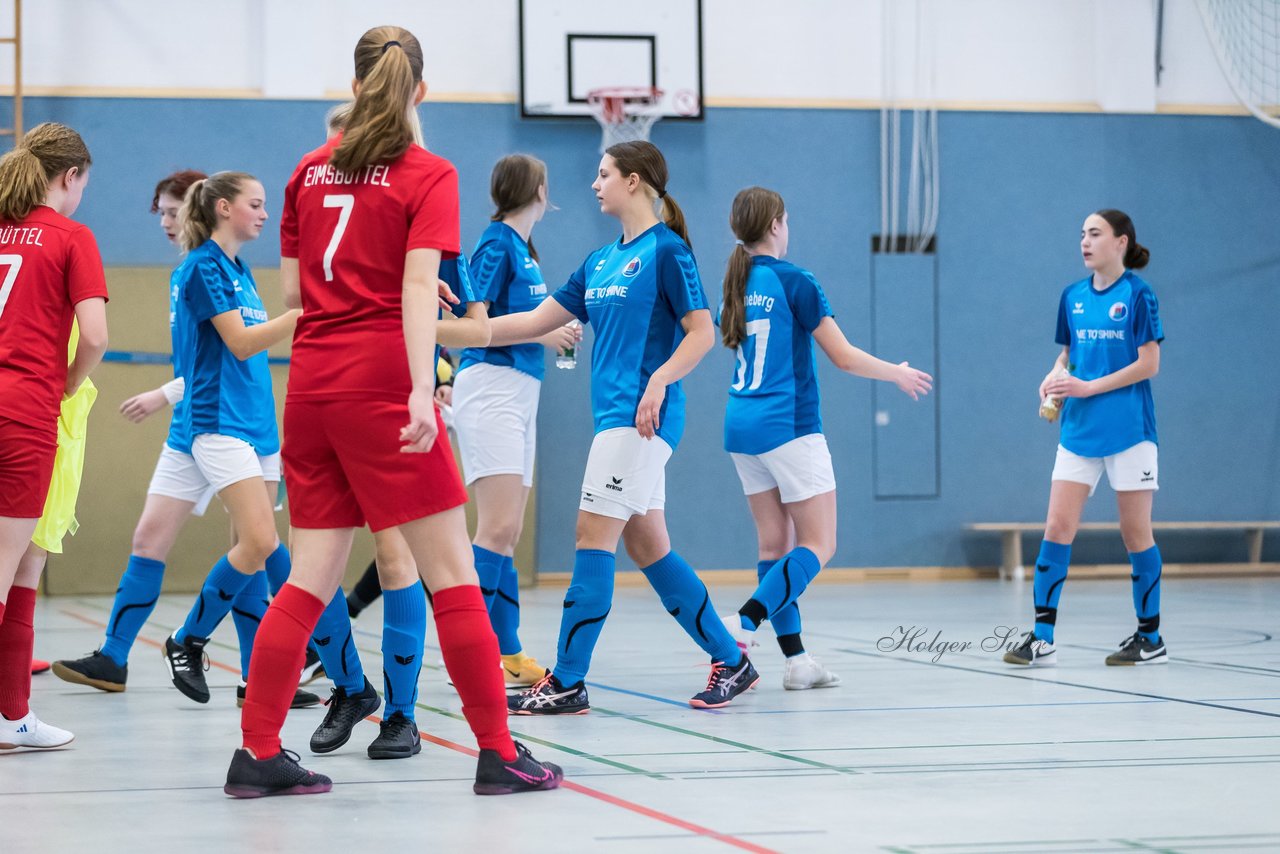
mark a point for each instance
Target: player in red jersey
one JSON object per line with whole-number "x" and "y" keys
{"x": 50, "y": 274}
{"x": 367, "y": 218}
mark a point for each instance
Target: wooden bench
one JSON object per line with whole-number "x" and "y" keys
{"x": 1011, "y": 536}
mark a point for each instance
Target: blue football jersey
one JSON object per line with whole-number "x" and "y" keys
{"x": 456, "y": 273}
{"x": 508, "y": 278}
{"x": 634, "y": 296}
{"x": 1104, "y": 330}
{"x": 224, "y": 395}
{"x": 184, "y": 351}
{"x": 774, "y": 397}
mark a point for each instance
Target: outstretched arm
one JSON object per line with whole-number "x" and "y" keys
{"x": 525, "y": 326}
{"x": 143, "y": 404}
{"x": 852, "y": 360}
{"x": 471, "y": 330}
{"x": 245, "y": 341}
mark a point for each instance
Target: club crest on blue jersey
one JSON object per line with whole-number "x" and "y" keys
{"x": 633, "y": 267}
{"x": 1118, "y": 311}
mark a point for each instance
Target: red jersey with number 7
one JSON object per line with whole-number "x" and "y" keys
{"x": 48, "y": 263}
{"x": 350, "y": 234}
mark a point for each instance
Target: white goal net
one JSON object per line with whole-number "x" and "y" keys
{"x": 1245, "y": 35}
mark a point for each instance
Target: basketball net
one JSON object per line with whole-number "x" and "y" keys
{"x": 625, "y": 113}
{"x": 1245, "y": 35}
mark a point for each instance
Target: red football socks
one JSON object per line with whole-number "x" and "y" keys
{"x": 470, "y": 652}
{"x": 17, "y": 637}
{"x": 278, "y": 652}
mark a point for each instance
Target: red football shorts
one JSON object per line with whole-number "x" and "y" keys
{"x": 343, "y": 466}
{"x": 26, "y": 467}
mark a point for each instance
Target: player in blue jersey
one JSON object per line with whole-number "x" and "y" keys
{"x": 1110, "y": 332}
{"x": 495, "y": 399}
{"x": 642, "y": 295}
{"x": 176, "y": 492}
{"x": 226, "y": 418}
{"x": 773, "y": 312}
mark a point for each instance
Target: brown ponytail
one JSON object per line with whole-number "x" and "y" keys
{"x": 1136, "y": 255}
{"x": 514, "y": 184}
{"x": 644, "y": 159}
{"x": 754, "y": 212}
{"x": 382, "y": 123}
{"x": 47, "y": 151}
{"x": 199, "y": 214}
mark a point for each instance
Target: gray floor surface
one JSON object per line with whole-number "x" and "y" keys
{"x": 940, "y": 750}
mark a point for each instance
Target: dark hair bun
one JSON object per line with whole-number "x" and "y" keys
{"x": 1137, "y": 256}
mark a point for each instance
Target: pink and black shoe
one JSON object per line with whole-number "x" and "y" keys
{"x": 280, "y": 775}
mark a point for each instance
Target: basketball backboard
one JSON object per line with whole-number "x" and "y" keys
{"x": 571, "y": 47}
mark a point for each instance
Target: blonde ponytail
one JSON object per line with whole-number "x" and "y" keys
{"x": 198, "y": 216}
{"x": 382, "y": 123}
{"x": 47, "y": 151}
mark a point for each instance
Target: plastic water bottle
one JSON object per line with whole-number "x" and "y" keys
{"x": 1052, "y": 406}
{"x": 567, "y": 359}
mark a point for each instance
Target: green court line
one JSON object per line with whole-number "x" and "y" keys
{"x": 1149, "y": 843}
{"x": 1029, "y": 743}
{"x": 581, "y": 754}
{"x": 523, "y": 736}
{"x": 1062, "y": 683}
{"x": 750, "y": 748}
{"x": 1138, "y": 846}
{"x": 967, "y": 745}
{"x": 1037, "y": 842}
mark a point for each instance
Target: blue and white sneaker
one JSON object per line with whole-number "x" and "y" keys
{"x": 31, "y": 732}
{"x": 725, "y": 683}
{"x": 548, "y": 696}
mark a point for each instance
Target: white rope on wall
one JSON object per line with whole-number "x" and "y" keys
{"x": 923, "y": 186}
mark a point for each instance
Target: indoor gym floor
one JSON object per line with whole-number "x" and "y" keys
{"x": 911, "y": 754}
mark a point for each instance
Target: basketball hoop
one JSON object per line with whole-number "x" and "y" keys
{"x": 625, "y": 113}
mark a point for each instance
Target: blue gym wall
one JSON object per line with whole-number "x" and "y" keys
{"x": 1204, "y": 192}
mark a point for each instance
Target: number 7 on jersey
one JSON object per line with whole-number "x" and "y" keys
{"x": 14, "y": 263}
{"x": 345, "y": 202}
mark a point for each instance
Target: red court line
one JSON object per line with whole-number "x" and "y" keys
{"x": 638, "y": 809}
{"x": 605, "y": 797}
{"x": 156, "y": 644}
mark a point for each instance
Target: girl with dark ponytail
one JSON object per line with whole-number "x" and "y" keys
{"x": 50, "y": 278}
{"x": 495, "y": 399}
{"x": 1110, "y": 332}
{"x": 370, "y": 225}
{"x": 772, "y": 313}
{"x": 643, "y": 295}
